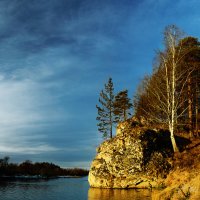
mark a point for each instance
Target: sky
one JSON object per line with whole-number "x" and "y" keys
{"x": 56, "y": 56}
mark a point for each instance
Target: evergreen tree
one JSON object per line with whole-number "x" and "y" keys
{"x": 105, "y": 111}
{"x": 122, "y": 106}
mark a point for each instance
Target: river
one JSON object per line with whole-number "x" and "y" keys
{"x": 65, "y": 189}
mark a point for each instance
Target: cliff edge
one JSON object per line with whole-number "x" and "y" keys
{"x": 135, "y": 158}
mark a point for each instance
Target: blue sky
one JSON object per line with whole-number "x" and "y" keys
{"x": 56, "y": 56}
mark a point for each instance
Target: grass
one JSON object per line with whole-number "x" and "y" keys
{"x": 183, "y": 182}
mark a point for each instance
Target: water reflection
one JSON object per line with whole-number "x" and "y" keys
{"x": 118, "y": 194}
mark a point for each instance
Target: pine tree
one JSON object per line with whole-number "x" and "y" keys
{"x": 122, "y": 106}
{"x": 105, "y": 111}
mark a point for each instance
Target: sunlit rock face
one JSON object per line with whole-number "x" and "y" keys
{"x": 134, "y": 158}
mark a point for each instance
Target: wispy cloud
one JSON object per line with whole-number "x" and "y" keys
{"x": 27, "y": 149}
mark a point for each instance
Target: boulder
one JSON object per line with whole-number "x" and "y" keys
{"x": 133, "y": 159}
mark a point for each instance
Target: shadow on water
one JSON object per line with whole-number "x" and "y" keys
{"x": 118, "y": 194}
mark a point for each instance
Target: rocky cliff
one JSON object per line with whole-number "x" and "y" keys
{"x": 134, "y": 158}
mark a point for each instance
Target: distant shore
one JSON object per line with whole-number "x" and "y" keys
{"x": 38, "y": 170}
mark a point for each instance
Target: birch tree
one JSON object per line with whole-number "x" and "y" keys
{"x": 170, "y": 61}
{"x": 165, "y": 88}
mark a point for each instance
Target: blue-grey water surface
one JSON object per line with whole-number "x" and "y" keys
{"x": 64, "y": 189}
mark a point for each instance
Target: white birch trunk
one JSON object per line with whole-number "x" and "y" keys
{"x": 168, "y": 88}
{"x": 173, "y": 107}
{"x": 171, "y": 129}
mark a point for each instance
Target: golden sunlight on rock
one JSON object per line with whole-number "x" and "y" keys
{"x": 129, "y": 161}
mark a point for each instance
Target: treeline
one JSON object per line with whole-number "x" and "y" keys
{"x": 169, "y": 98}
{"x": 41, "y": 169}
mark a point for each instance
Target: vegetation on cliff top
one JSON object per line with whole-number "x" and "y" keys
{"x": 112, "y": 109}
{"x": 170, "y": 97}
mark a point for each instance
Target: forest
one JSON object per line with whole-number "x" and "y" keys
{"x": 36, "y": 170}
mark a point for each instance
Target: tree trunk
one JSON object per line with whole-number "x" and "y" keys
{"x": 125, "y": 117}
{"x": 174, "y": 145}
{"x": 111, "y": 124}
{"x": 196, "y": 110}
{"x": 111, "y": 131}
{"x": 190, "y": 107}
{"x": 173, "y": 107}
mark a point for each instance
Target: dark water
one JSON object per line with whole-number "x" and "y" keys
{"x": 64, "y": 189}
